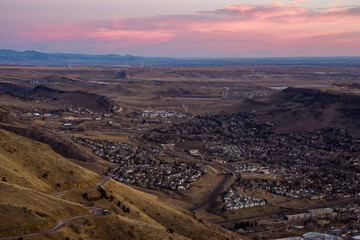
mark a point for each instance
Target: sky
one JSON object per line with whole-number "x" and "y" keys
{"x": 183, "y": 28}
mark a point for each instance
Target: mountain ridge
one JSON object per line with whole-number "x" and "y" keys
{"x": 31, "y": 57}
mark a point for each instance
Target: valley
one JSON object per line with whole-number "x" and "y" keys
{"x": 181, "y": 152}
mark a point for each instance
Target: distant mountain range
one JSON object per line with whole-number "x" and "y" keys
{"x": 11, "y": 57}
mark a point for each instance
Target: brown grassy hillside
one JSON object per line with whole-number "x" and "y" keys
{"x": 83, "y": 99}
{"x": 132, "y": 205}
{"x": 24, "y": 211}
{"x": 60, "y": 145}
{"x": 30, "y": 170}
{"x": 302, "y": 109}
{"x": 110, "y": 227}
{"x": 34, "y": 165}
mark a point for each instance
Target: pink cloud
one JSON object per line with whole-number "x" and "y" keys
{"x": 264, "y": 12}
{"x": 278, "y": 29}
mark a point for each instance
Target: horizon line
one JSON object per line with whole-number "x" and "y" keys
{"x": 182, "y": 58}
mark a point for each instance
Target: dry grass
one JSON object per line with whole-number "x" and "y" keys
{"x": 274, "y": 203}
{"x": 169, "y": 216}
{"x": 115, "y": 136}
{"x": 148, "y": 216}
{"x": 134, "y": 214}
{"x": 200, "y": 190}
{"x": 145, "y": 211}
{"x": 111, "y": 227}
{"x": 24, "y": 211}
{"x": 34, "y": 165}
{"x": 150, "y": 87}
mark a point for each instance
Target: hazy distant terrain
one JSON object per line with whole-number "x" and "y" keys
{"x": 12, "y": 57}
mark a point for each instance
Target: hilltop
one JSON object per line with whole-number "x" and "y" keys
{"x": 92, "y": 101}
{"x": 83, "y": 99}
{"x": 309, "y": 108}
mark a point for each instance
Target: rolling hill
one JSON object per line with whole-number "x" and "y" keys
{"x": 58, "y": 78}
{"x": 82, "y": 99}
{"x": 92, "y": 101}
{"x": 25, "y": 211}
{"x": 310, "y": 108}
{"x": 13, "y": 88}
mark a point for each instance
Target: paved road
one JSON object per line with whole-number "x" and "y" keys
{"x": 285, "y": 211}
{"x": 105, "y": 179}
{"x": 214, "y": 194}
{"x": 329, "y": 203}
{"x": 60, "y": 224}
{"x": 95, "y": 212}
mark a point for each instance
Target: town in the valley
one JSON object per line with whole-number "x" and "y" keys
{"x": 236, "y": 168}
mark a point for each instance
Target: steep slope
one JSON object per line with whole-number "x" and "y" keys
{"x": 6, "y": 117}
{"x": 170, "y": 217}
{"x": 112, "y": 227}
{"x": 34, "y": 165}
{"x": 60, "y": 145}
{"x": 132, "y": 206}
{"x": 29, "y": 170}
{"x": 24, "y": 211}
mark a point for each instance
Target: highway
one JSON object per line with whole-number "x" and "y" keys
{"x": 61, "y": 223}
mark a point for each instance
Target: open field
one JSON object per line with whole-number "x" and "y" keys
{"x": 199, "y": 190}
{"x": 274, "y": 203}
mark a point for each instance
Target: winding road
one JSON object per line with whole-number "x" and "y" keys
{"x": 95, "y": 212}
{"x": 105, "y": 180}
